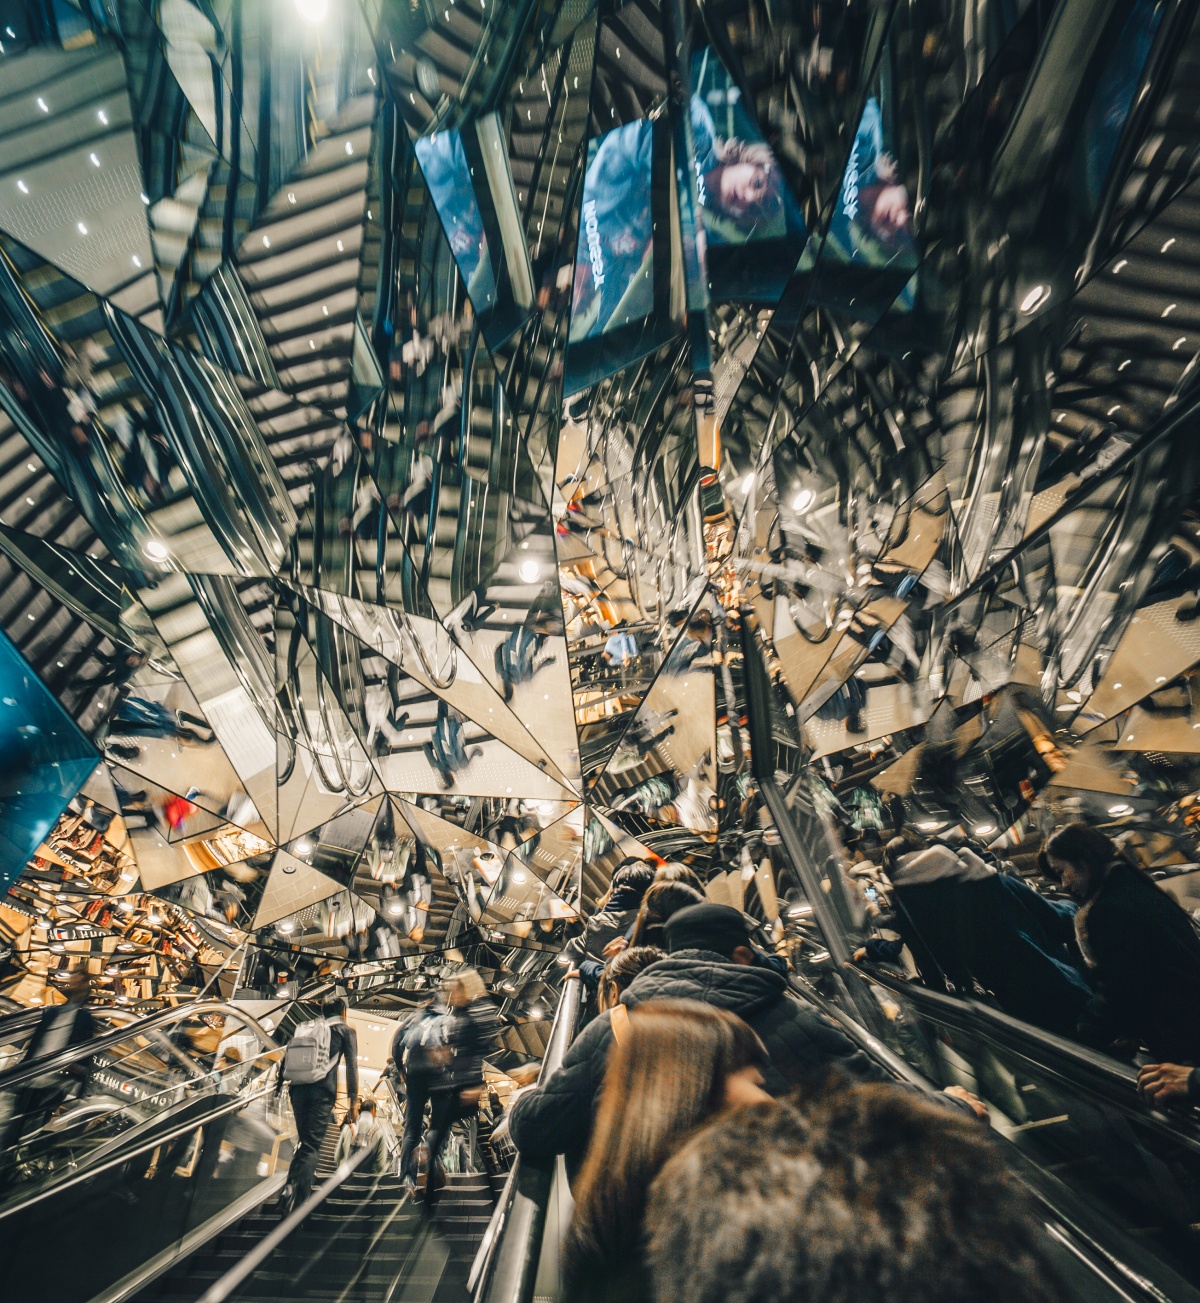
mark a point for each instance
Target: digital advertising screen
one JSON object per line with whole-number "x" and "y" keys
{"x": 754, "y": 232}
{"x": 448, "y": 175}
{"x": 621, "y": 296}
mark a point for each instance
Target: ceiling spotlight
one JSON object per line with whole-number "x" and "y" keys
{"x": 155, "y": 549}
{"x": 137, "y": 262}
{"x": 145, "y": 198}
{"x": 1121, "y": 807}
{"x": 1034, "y": 298}
{"x": 803, "y": 500}
{"x": 100, "y": 113}
{"x": 394, "y": 907}
{"x": 312, "y": 11}
{"x": 285, "y": 925}
{"x": 22, "y": 187}
{"x": 304, "y": 847}
{"x": 537, "y": 1012}
{"x": 79, "y": 226}
{"x": 349, "y": 147}
{"x": 41, "y": 103}
{"x": 518, "y": 877}
{"x": 95, "y": 159}
{"x": 929, "y": 825}
{"x": 530, "y": 571}
{"x": 266, "y": 241}
{"x": 984, "y": 829}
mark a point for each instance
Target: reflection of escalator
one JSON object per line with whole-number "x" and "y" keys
{"x": 145, "y": 1137}
{"x": 359, "y": 1236}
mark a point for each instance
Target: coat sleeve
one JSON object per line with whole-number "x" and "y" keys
{"x": 556, "y": 1118}
{"x": 350, "y": 1053}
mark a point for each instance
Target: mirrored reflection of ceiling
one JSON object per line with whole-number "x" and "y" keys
{"x": 400, "y": 411}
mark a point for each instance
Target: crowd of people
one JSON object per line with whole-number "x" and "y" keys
{"x": 1115, "y": 965}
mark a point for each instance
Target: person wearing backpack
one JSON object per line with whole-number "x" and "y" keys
{"x": 421, "y": 1052}
{"x": 310, "y": 1067}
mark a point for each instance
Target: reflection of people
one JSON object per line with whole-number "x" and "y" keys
{"x": 1140, "y": 947}
{"x": 446, "y": 751}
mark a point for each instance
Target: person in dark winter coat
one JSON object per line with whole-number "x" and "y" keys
{"x": 710, "y": 961}
{"x": 1139, "y": 945}
{"x": 615, "y": 914}
{"x": 965, "y": 923}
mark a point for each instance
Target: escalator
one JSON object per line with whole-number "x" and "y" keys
{"x": 136, "y": 1146}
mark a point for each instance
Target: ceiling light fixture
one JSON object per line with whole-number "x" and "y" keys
{"x": 22, "y": 187}
{"x": 95, "y": 159}
{"x": 1122, "y": 807}
{"x": 79, "y": 226}
{"x": 145, "y": 198}
{"x": 803, "y": 500}
{"x": 985, "y": 829}
{"x": 518, "y": 877}
{"x": 284, "y": 925}
{"x": 137, "y": 262}
{"x": 1168, "y": 244}
{"x": 41, "y": 103}
{"x": 155, "y": 549}
{"x": 100, "y": 113}
{"x": 1034, "y": 298}
{"x": 1123, "y": 263}
{"x": 304, "y": 847}
{"x": 530, "y": 571}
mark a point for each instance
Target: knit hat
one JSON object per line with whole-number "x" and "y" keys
{"x": 719, "y": 928}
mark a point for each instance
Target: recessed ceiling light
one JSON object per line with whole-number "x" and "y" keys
{"x": 22, "y": 187}
{"x": 137, "y": 262}
{"x": 1035, "y": 297}
{"x": 304, "y": 847}
{"x": 349, "y": 147}
{"x": 1120, "y": 808}
{"x": 41, "y": 103}
{"x": 530, "y": 572}
{"x": 985, "y": 829}
{"x": 100, "y": 113}
{"x": 803, "y": 500}
{"x": 95, "y": 159}
{"x": 341, "y": 246}
{"x": 79, "y": 226}
{"x": 266, "y": 241}
{"x": 155, "y": 549}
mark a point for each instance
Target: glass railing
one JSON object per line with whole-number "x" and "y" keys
{"x": 138, "y": 1145}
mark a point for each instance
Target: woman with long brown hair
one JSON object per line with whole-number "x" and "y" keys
{"x": 658, "y": 904}
{"x": 676, "y": 1064}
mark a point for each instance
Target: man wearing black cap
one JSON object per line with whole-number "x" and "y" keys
{"x": 710, "y": 960}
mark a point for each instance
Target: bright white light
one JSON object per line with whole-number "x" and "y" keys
{"x": 530, "y": 572}
{"x": 748, "y": 483}
{"x": 155, "y": 550}
{"x": 537, "y": 1012}
{"x": 1169, "y": 309}
{"x": 304, "y": 847}
{"x": 22, "y": 187}
{"x": 1035, "y": 298}
{"x": 41, "y": 103}
{"x": 266, "y": 241}
{"x": 518, "y": 877}
{"x": 137, "y": 262}
{"x": 285, "y": 925}
{"x": 984, "y": 829}
{"x": 312, "y": 11}
{"x": 341, "y": 247}
{"x": 1123, "y": 263}
{"x": 349, "y": 147}
{"x": 1120, "y": 808}
{"x": 394, "y": 907}
{"x": 145, "y": 198}
{"x": 79, "y": 226}
{"x": 95, "y": 159}
{"x": 929, "y": 825}
{"x": 100, "y": 113}
{"x": 803, "y": 500}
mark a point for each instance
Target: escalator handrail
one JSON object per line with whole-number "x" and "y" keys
{"x": 1079, "y": 1066}
{"x": 225, "y": 1285}
{"x": 505, "y": 1267}
{"x": 18, "y": 1075}
{"x": 1076, "y": 1225}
